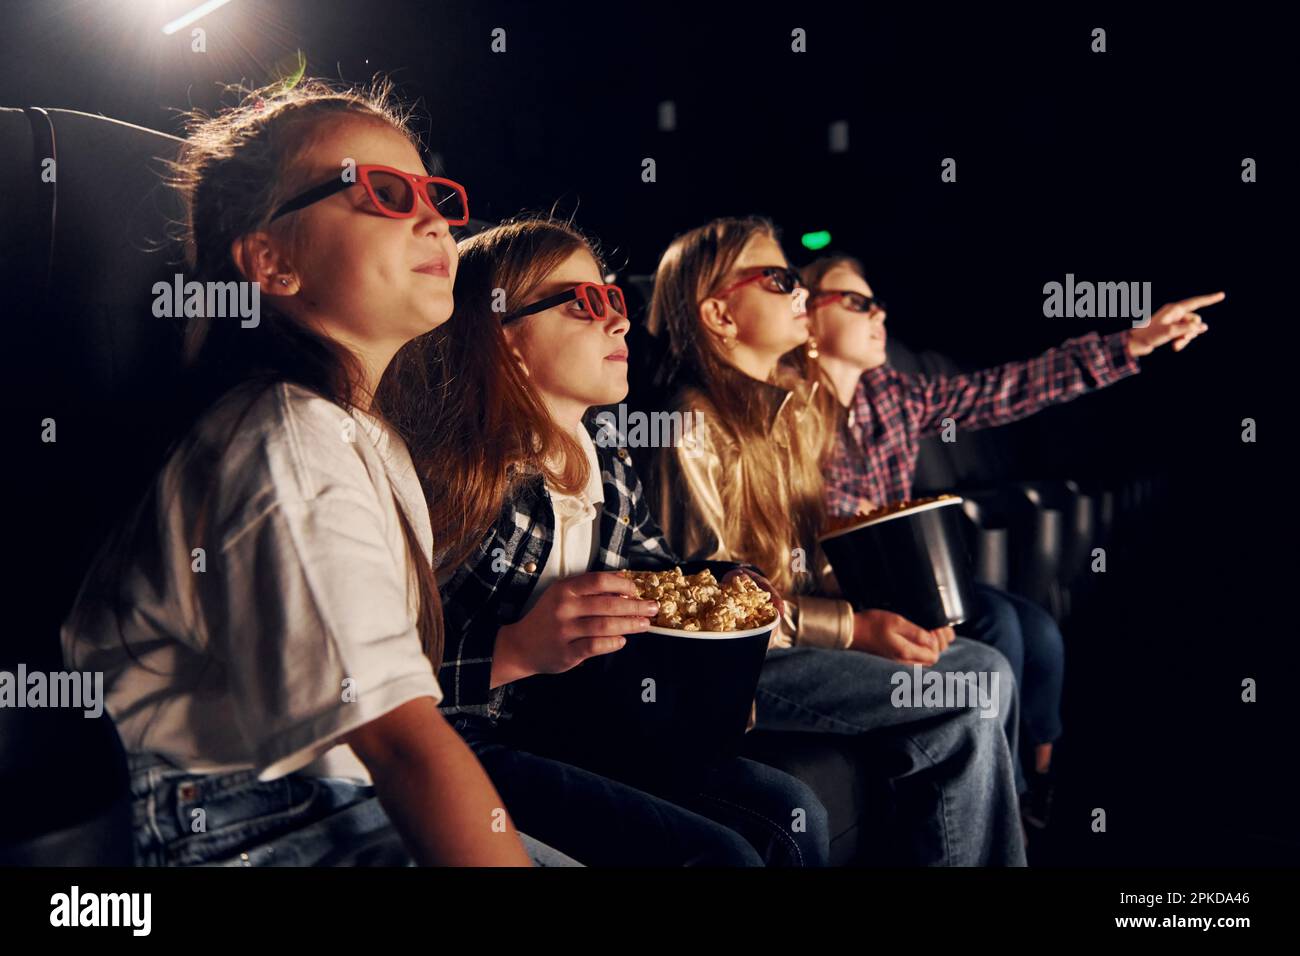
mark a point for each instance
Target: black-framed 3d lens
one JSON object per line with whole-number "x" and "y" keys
{"x": 858, "y": 302}
{"x": 785, "y": 279}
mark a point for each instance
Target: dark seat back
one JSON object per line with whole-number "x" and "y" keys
{"x": 83, "y": 240}
{"x": 95, "y": 360}
{"x": 976, "y": 458}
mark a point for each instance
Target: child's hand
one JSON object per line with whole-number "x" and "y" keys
{"x": 946, "y": 636}
{"x": 894, "y": 637}
{"x": 763, "y": 583}
{"x": 1175, "y": 322}
{"x": 577, "y": 618}
{"x": 865, "y": 507}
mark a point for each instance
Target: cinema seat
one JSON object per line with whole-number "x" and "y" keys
{"x": 838, "y": 770}
{"x": 91, "y": 361}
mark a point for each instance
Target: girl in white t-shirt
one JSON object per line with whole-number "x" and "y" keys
{"x": 267, "y": 623}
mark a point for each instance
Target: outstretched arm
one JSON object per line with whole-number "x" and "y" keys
{"x": 1015, "y": 390}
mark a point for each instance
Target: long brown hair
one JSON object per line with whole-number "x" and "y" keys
{"x": 235, "y": 168}
{"x": 777, "y": 504}
{"x": 476, "y": 427}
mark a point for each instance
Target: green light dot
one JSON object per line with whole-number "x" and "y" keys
{"x": 816, "y": 240}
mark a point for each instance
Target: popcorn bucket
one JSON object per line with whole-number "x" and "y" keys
{"x": 659, "y": 711}
{"x": 910, "y": 559}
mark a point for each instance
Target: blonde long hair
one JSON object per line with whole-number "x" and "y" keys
{"x": 777, "y": 504}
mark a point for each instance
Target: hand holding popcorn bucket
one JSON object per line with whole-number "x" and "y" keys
{"x": 674, "y": 701}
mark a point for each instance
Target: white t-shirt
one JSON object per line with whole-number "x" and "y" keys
{"x": 574, "y": 544}
{"x": 296, "y": 623}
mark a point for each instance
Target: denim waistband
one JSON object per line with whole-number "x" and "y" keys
{"x": 184, "y": 817}
{"x": 137, "y": 762}
{"x": 150, "y": 771}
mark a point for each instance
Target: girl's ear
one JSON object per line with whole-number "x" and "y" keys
{"x": 258, "y": 260}
{"x": 717, "y": 320}
{"x": 519, "y": 358}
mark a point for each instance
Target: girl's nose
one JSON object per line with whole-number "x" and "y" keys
{"x": 430, "y": 222}
{"x": 618, "y": 324}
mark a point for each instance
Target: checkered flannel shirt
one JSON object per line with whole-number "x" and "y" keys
{"x": 490, "y": 589}
{"x": 875, "y": 457}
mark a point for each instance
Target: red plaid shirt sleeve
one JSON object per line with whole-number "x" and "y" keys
{"x": 843, "y": 477}
{"x": 1006, "y": 393}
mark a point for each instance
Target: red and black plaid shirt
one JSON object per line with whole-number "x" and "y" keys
{"x": 875, "y": 457}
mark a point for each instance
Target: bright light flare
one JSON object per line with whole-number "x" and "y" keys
{"x": 202, "y": 10}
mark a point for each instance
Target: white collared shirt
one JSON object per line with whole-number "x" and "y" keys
{"x": 573, "y": 546}
{"x": 295, "y": 623}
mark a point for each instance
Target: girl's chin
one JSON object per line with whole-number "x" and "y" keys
{"x": 876, "y": 358}
{"x": 615, "y": 393}
{"x": 432, "y": 312}
{"x": 610, "y": 390}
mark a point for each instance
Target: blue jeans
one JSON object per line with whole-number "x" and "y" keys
{"x": 233, "y": 819}
{"x": 951, "y": 769}
{"x": 1031, "y": 641}
{"x": 742, "y": 813}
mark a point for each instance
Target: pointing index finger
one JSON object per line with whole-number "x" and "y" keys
{"x": 1201, "y": 301}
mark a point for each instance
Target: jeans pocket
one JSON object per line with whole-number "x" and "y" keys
{"x": 221, "y": 815}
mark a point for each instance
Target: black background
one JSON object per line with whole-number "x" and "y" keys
{"x": 1120, "y": 166}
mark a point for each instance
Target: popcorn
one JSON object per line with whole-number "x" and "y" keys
{"x": 837, "y": 524}
{"x": 697, "y": 602}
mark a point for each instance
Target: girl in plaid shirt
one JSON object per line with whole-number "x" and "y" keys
{"x": 534, "y": 511}
{"x": 886, "y": 413}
